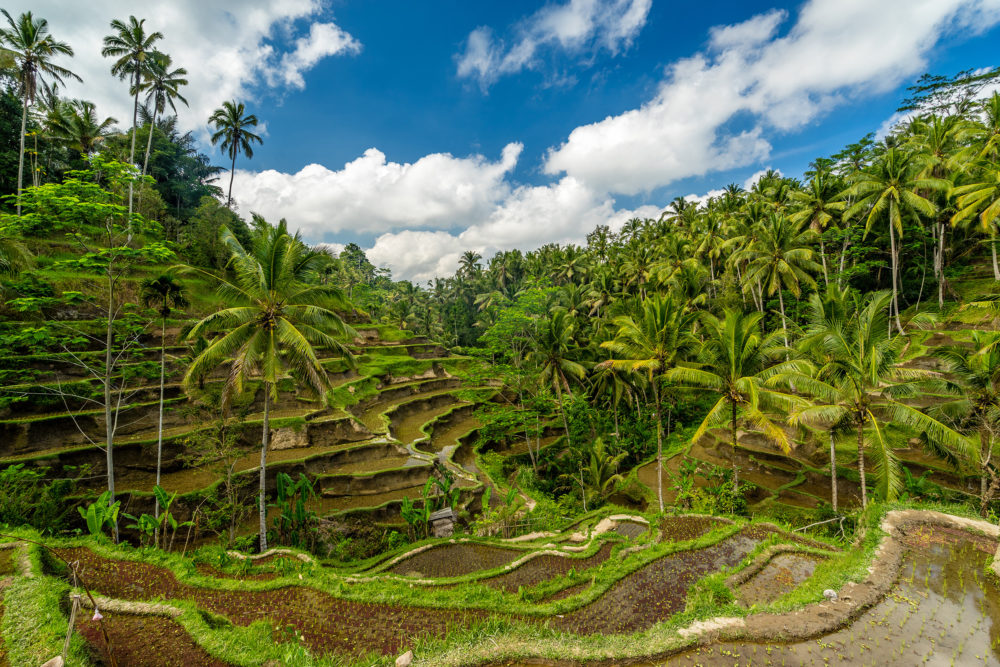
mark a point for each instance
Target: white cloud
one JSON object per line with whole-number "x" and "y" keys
{"x": 756, "y": 176}
{"x": 563, "y": 212}
{"x": 701, "y": 200}
{"x": 756, "y": 82}
{"x": 229, "y": 51}
{"x": 437, "y": 191}
{"x": 579, "y": 26}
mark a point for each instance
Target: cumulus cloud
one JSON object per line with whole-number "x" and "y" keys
{"x": 562, "y": 212}
{"x": 437, "y": 191}
{"x": 714, "y": 108}
{"x": 579, "y": 26}
{"x": 229, "y": 53}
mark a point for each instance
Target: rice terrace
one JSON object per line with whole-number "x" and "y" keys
{"x": 512, "y": 392}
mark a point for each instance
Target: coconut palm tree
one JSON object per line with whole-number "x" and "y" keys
{"x": 867, "y": 388}
{"x": 77, "y": 123}
{"x": 651, "y": 346}
{"x": 976, "y": 410}
{"x": 231, "y": 122}
{"x": 132, "y": 47}
{"x": 163, "y": 293}
{"x": 162, "y": 87}
{"x": 819, "y": 204}
{"x": 888, "y": 190}
{"x": 736, "y": 363}
{"x": 779, "y": 257}
{"x": 555, "y": 339}
{"x": 274, "y": 320}
{"x": 981, "y": 199}
{"x": 33, "y": 49}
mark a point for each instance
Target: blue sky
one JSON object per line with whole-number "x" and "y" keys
{"x": 422, "y": 129}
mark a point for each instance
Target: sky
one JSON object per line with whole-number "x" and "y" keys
{"x": 419, "y": 130}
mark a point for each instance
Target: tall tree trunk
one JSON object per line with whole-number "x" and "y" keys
{"x": 149, "y": 142}
{"x": 985, "y": 454}
{"x": 861, "y": 464}
{"x": 736, "y": 467}
{"x": 784, "y": 326}
{"x": 833, "y": 473}
{"x": 939, "y": 252}
{"x": 109, "y": 424}
{"x": 263, "y": 466}
{"x": 659, "y": 445}
{"x": 993, "y": 254}
{"x": 895, "y": 275}
{"x": 843, "y": 257}
{"x": 131, "y": 153}
{"x": 822, "y": 255}
{"x": 159, "y": 425}
{"x": 232, "y": 172}
{"x": 20, "y": 160}
{"x": 562, "y": 411}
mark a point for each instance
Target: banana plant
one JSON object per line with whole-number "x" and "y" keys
{"x": 100, "y": 513}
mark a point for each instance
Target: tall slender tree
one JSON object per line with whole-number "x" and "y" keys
{"x": 162, "y": 87}
{"x": 163, "y": 293}
{"x": 275, "y": 318}
{"x": 132, "y": 47}
{"x": 33, "y": 50}
{"x": 231, "y": 122}
{"x": 651, "y": 346}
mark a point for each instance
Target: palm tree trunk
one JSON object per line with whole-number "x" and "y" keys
{"x": 985, "y": 454}
{"x": 784, "y": 326}
{"x": 843, "y": 258}
{"x": 833, "y": 473}
{"x": 659, "y": 445}
{"x": 20, "y": 161}
{"x": 736, "y": 467}
{"x": 861, "y": 464}
{"x": 131, "y": 153}
{"x": 562, "y": 411}
{"x": 940, "y": 266}
{"x": 109, "y": 425}
{"x": 232, "y": 172}
{"x": 822, "y": 256}
{"x": 159, "y": 426}
{"x": 149, "y": 142}
{"x": 993, "y": 253}
{"x": 895, "y": 275}
{"x": 263, "y": 466}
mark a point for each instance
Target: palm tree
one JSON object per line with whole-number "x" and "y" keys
{"x": 161, "y": 86}
{"x": 981, "y": 198}
{"x": 976, "y": 372}
{"x": 269, "y": 330}
{"x": 820, "y": 206}
{"x": 231, "y": 122}
{"x": 866, "y": 387}
{"x": 735, "y": 363}
{"x": 164, "y": 293}
{"x": 133, "y": 48}
{"x": 77, "y": 124}
{"x": 651, "y": 347}
{"x": 33, "y": 48}
{"x": 889, "y": 187}
{"x": 468, "y": 266}
{"x": 552, "y": 356}
{"x": 779, "y": 258}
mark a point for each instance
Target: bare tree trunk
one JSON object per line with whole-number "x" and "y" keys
{"x": 843, "y": 258}
{"x": 784, "y": 326}
{"x": 659, "y": 445}
{"x": 833, "y": 473}
{"x": 822, "y": 254}
{"x": 109, "y": 425}
{"x": 263, "y": 466}
{"x": 736, "y": 467}
{"x": 861, "y": 465}
{"x": 895, "y": 275}
{"x": 232, "y": 173}
{"x": 159, "y": 426}
{"x": 20, "y": 161}
{"x": 149, "y": 142}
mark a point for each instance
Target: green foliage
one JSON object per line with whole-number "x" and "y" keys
{"x": 100, "y": 513}
{"x": 295, "y": 525}
{"x": 28, "y": 498}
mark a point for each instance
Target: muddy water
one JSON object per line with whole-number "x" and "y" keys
{"x": 448, "y": 434}
{"x": 372, "y": 416}
{"x": 942, "y": 611}
{"x": 782, "y": 574}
